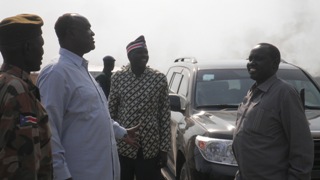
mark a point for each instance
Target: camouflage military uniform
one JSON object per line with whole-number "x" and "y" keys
{"x": 25, "y": 150}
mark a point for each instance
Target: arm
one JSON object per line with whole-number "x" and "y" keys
{"x": 119, "y": 131}
{"x": 298, "y": 133}
{"x": 114, "y": 99}
{"x": 108, "y": 84}
{"x": 19, "y": 113}
{"x": 101, "y": 79}
{"x": 114, "y": 102}
{"x": 164, "y": 123}
{"x": 54, "y": 97}
{"x": 128, "y": 135}
{"x": 164, "y": 116}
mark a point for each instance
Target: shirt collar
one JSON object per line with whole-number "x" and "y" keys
{"x": 16, "y": 71}
{"x": 128, "y": 68}
{"x": 265, "y": 86}
{"x": 74, "y": 58}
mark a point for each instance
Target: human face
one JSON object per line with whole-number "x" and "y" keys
{"x": 139, "y": 58}
{"x": 34, "y": 52}
{"x": 109, "y": 66}
{"x": 261, "y": 66}
{"x": 83, "y": 35}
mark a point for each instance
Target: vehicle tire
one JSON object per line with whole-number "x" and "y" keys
{"x": 185, "y": 172}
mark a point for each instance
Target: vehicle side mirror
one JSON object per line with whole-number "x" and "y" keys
{"x": 175, "y": 103}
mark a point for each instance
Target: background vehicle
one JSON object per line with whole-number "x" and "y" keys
{"x": 204, "y": 100}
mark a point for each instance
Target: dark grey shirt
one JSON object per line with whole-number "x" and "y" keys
{"x": 272, "y": 140}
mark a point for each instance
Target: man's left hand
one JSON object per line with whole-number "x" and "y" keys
{"x": 163, "y": 158}
{"x": 133, "y": 137}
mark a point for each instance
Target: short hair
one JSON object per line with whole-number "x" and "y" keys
{"x": 64, "y": 22}
{"x": 273, "y": 51}
{"x": 108, "y": 59}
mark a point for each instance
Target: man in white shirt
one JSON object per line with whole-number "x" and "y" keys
{"x": 83, "y": 139}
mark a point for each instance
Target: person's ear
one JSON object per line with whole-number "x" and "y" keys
{"x": 70, "y": 32}
{"x": 26, "y": 48}
{"x": 275, "y": 64}
{"x": 129, "y": 55}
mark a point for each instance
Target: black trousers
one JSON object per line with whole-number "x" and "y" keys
{"x": 140, "y": 169}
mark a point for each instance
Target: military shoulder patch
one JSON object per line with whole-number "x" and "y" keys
{"x": 27, "y": 119}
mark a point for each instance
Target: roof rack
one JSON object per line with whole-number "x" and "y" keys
{"x": 187, "y": 59}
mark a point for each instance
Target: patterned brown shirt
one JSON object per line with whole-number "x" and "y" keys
{"x": 25, "y": 150}
{"x": 141, "y": 99}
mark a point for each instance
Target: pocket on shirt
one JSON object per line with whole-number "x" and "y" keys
{"x": 91, "y": 97}
{"x": 258, "y": 119}
{"x": 253, "y": 117}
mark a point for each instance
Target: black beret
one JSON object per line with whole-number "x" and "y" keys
{"x": 140, "y": 42}
{"x": 108, "y": 58}
{"x": 20, "y": 28}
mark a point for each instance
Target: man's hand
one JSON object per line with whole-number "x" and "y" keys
{"x": 163, "y": 159}
{"x": 132, "y": 137}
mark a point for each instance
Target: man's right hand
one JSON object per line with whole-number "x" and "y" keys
{"x": 132, "y": 137}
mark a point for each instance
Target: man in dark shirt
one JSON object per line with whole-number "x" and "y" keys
{"x": 272, "y": 139}
{"x": 104, "y": 79}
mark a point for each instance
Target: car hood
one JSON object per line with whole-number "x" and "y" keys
{"x": 218, "y": 123}
{"x": 223, "y": 122}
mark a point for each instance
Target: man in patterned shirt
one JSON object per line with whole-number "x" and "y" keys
{"x": 25, "y": 151}
{"x": 139, "y": 95}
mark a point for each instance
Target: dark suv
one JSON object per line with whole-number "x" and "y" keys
{"x": 204, "y": 100}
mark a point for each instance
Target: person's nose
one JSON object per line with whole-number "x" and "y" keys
{"x": 252, "y": 62}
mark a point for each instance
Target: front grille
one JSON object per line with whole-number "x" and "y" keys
{"x": 315, "y": 174}
{"x": 316, "y": 163}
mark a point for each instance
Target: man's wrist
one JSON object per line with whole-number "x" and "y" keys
{"x": 125, "y": 136}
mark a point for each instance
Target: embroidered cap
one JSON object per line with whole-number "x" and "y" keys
{"x": 140, "y": 42}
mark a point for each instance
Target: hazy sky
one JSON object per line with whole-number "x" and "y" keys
{"x": 205, "y": 29}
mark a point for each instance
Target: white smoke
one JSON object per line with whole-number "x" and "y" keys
{"x": 205, "y": 29}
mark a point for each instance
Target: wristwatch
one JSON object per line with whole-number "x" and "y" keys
{"x": 125, "y": 136}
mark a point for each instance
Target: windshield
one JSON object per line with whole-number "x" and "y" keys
{"x": 300, "y": 81}
{"x": 226, "y": 88}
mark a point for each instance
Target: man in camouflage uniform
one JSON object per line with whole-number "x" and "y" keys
{"x": 25, "y": 151}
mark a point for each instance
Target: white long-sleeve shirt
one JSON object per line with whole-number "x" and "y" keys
{"x": 83, "y": 133}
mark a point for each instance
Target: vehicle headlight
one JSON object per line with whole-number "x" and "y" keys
{"x": 216, "y": 150}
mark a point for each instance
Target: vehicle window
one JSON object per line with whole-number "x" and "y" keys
{"x": 234, "y": 84}
{"x": 229, "y": 86}
{"x": 173, "y": 81}
{"x": 221, "y": 87}
{"x": 169, "y": 76}
{"x": 183, "y": 90}
{"x": 175, "y": 84}
{"x": 300, "y": 81}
